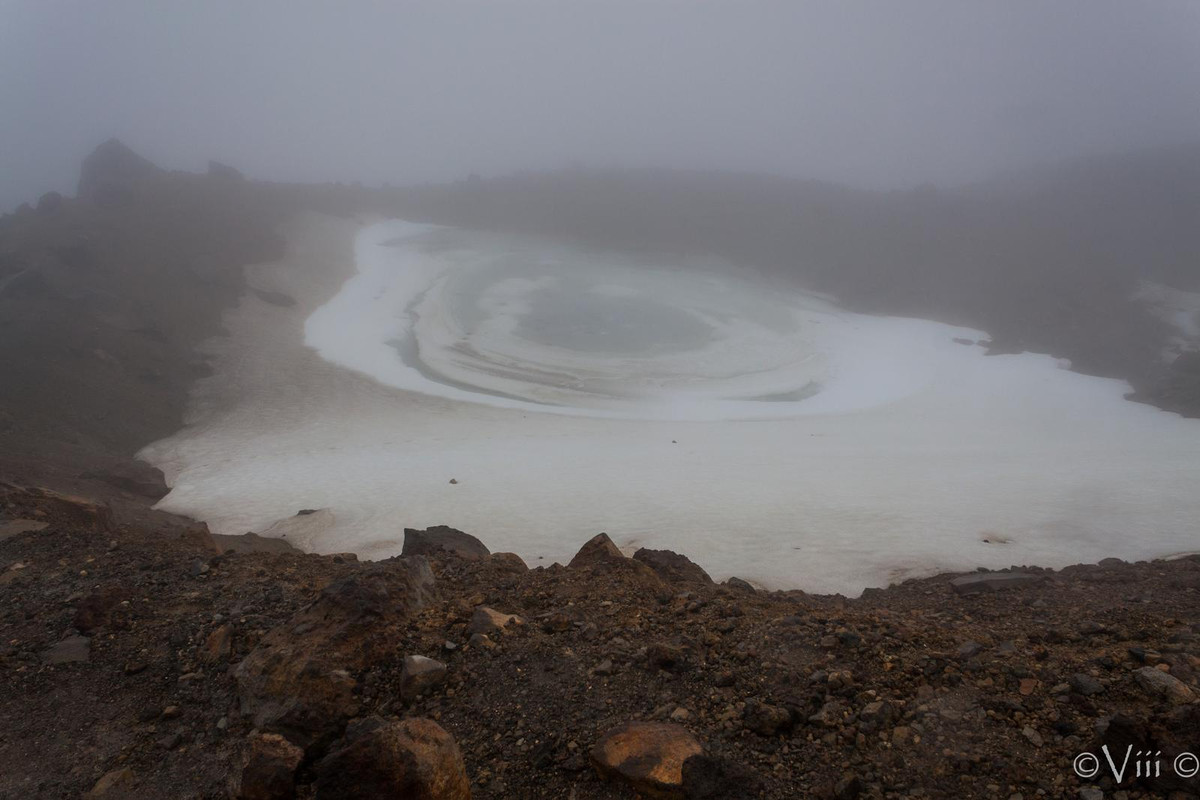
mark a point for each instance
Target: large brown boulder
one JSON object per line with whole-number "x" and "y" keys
{"x": 299, "y": 680}
{"x": 410, "y": 758}
{"x": 443, "y": 540}
{"x": 672, "y": 566}
{"x": 268, "y": 769}
{"x": 648, "y": 756}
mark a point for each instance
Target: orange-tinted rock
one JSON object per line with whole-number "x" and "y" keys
{"x": 410, "y": 758}
{"x": 298, "y": 681}
{"x": 268, "y": 769}
{"x": 648, "y": 756}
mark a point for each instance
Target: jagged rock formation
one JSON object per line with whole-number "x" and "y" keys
{"x": 112, "y": 171}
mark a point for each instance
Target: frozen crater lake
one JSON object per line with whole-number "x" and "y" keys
{"x": 683, "y": 404}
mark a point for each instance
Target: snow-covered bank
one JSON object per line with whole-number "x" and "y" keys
{"x": 765, "y": 433}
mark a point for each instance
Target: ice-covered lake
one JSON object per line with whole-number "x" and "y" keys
{"x": 676, "y": 404}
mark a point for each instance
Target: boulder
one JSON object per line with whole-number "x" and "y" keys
{"x": 488, "y": 621}
{"x": 509, "y": 562}
{"x": 1161, "y": 684}
{"x": 765, "y": 719}
{"x": 979, "y": 582}
{"x": 740, "y": 585}
{"x": 102, "y": 609}
{"x": 420, "y": 674}
{"x": 598, "y": 550}
{"x": 410, "y": 758}
{"x": 299, "y": 680}
{"x": 268, "y": 769}
{"x": 648, "y": 756}
{"x": 672, "y": 566}
{"x": 135, "y": 477}
{"x": 111, "y": 171}
{"x": 443, "y": 540}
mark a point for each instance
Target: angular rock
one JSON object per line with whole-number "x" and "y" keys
{"x": 441, "y": 540}
{"x": 598, "y": 550}
{"x": 488, "y": 621}
{"x": 410, "y": 758}
{"x": 510, "y": 562}
{"x": 978, "y": 582}
{"x": 1085, "y": 684}
{"x": 268, "y": 769}
{"x": 298, "y": 680}
{"x": 69, "y": 650}
{"x": 113, "y": 784}
{"x": 648, "y": 756}
{"x": 112, "y": 170}
{"x": 101, "y": 609}
{"x": 135, "y": 477}
{"x": 218, "y": 645}
{"x": 672, "y": 566}
{"x": 765, "y": 719}
{"x": 1161, "y": 684}
{"x": 420, "y": 674}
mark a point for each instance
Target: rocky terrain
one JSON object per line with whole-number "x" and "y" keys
{"x": 142, "y": 657}
{"x": 140, "y": 662}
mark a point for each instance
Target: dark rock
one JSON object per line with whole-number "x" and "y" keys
{"x": 48, "y": 203}
{"x": 268, "y": 769}
{"x": 648, "y": 756}
{"x": 707, "y": 778}
{"x": 442, "y": 540}
{"x": 111, "y": 171}
{"x": 102, "y": 609}
{"x": 218, "y": 170}
{"x": 299, "y": 680}
{"x": 410, "y": 758}
{"x": 978, "y": 582}
{"x": 765, "y": 719}
{"x": 510, "y": 562}
{"x": 70, "y": 650}
{"x": 740, "y": 585}
{"x": 420, "y": 674}
{"x": 670, "y": 657}
{"x": 1085, "y": 684}
{"x": 135, "y": 477}
{"x": 672, "y": 566}
{"x": 598, "y": 550}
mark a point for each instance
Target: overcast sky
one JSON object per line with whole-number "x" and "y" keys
{"x": 885, "y": 94}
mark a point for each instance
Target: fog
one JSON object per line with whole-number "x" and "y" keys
{"x": 875, "y": 95}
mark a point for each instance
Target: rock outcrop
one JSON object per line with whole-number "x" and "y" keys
{"x": 300, "y": 680}
{"x": 112, "y": 171}
{"x": 443, "y": 540}
{"x": 672, "y": 566}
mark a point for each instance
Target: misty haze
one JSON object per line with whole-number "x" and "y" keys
{"x": 846, "y": 355}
